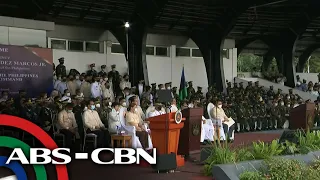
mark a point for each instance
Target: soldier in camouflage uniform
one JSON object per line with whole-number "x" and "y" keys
{"x": 262, "y": 118}
{"x": 175, "y": 94}
{"x": 9, "y": 108}
{"x": 275, "y": 115}
{"x": 255, "y": 116}
{"x": 282, "y": 109}
{"x": 270, "y": 92}
{"x": 105, "y": 110}
{"x": 242, "y": 116}
{"x": 190, "y": 90}
{"x": 233, "y": 115}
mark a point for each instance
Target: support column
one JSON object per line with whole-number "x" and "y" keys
{"x": 211, "y": 45}
{"x": 305, "y": 56}
{"x": 267, "y": 59}
{"x": 289, "y": 70}
{"x": 135, "y": 38}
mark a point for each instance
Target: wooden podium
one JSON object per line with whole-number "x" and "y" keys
{"x": 165, "y": 137}
{"x": 191, "y": 132}
{"x": 302, "y": 117}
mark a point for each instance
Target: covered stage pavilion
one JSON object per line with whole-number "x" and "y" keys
{"x": 280, "y": 29}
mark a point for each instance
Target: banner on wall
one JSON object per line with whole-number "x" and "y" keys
{"x": 25, "y": 68}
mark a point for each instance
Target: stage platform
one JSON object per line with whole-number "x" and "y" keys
{"x": 87, "y": 170}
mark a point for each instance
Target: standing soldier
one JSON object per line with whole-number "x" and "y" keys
{"x": 275, "y": 115}
{"x": 229, "y": 88}
{"x": 283, "y": 113}
{"x": 174, "y": 92}
{"x": 190, "y": 90}
{"x": 270, "y": 92}
{"x": 61, "y": 69}
{"x": 241, "y": 116}
{"x": 262, "y": 118}
{"x": 103, "y": 72}
{"x": 114, "y": 76}
{"x": 255, "y": 116}
{"x": 92, "y": 71}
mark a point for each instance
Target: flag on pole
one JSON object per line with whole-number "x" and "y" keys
{"x": 183, "y": 93}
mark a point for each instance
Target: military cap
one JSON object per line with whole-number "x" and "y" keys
{"x": 113, "y": 66}
{"x": 61, "y": 59}
{"x": 250, "y": 82}
{"x": 257, "y": 82}
{"x": 153, "y": 84}
{"x": 174, "y": 88}
{"x": 159, "y": 85}
{"x": 279, "y": 89}
{"x": 229, "y": 83}
{"x": 93, "y": 65}
{"x": 166, "y": 84}
{"x": 199, "y": 87}
{"x": 10, "y": 100}
{"x": 190, "y": 82}
{"x": 241, "y": 83}
{"x": 28, "y": 101}
{"x": 103, "y": 66}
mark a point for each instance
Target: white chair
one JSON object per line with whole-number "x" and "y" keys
{"x": 216, "y": 122}
{"x": 131, "y": 130}
{"x": 88, "y": 137}
{"x": 207, "y": 130}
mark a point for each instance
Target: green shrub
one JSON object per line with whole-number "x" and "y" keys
{"x": 307, "y": 142}
{"x": 218, "y": 155}
{"x": 262, "y": 150}
{"x": 244, "y": 154}
{"x": 290, "y": 148}
{"x": 284, "y": 169}
{"x": 256, "y": 175}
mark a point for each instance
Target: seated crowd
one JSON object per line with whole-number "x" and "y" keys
{"x": 103, "y": 103}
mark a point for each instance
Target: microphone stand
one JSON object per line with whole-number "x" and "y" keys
{"x": 217, "y": 128}
{"x": 167, "y": 125}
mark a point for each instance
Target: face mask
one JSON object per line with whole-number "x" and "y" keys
{"x": 68, "y": 94}
{"x": 105, "y": 79}
{"x": 59, "y": 78}
{"x": 220, "y": 106}
{"x": 169, "y": 87}
{"x": 190, "y": 105}
{"x": 136, "y": 109}
{"x": 288, "y": 105}
{"x": 124, "y": 104}
{"x": 275, "y": 104}
{"x": 282, "y": 104}
{"x": 261, "y": 99}
{"x": 81, "y": 94}
{"x": 98, "y": 105}
{"x": 110, "y": 103}
{"x": 77, "y": 77}
{"x": 69, "y": 111}
{"x": 85, "y": 108}
{"x": 163, "y": 88}
{"x": 93, "y": 107}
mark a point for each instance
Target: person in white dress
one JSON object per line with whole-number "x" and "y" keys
{"x": 96, "y": 90}
{"x": 114, "y": 123}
